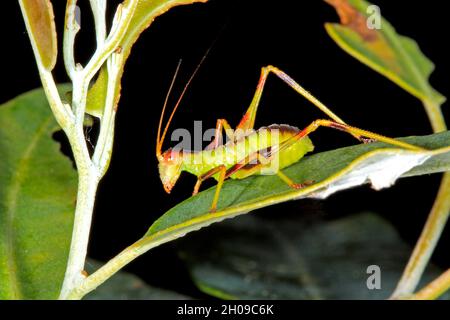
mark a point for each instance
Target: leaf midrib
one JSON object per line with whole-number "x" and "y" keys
{"x": 11, "y": 201}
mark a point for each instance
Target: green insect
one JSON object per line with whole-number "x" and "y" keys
{"x": 240, "y": 156}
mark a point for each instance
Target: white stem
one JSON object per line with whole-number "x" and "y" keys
{"x": 90, "y": 172}
{"x": 71, "y": 28}
{"x": 121, "y": 21}
{"x": 62, "y": 112}
{"x": 99, "y": 9}
{"x": 88, "y": 179}
{"x": 435, "y": 223}
{"x": 107, "y": 270}
{"x": 71, "y": 118}
{"x": 87, "y": 187}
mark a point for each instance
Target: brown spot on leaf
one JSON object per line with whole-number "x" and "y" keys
{"x": 352, "y": 18}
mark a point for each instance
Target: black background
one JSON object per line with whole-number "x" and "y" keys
{"x": 250, "y": 34}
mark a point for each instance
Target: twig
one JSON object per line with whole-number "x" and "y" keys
{"x": 435, "y": 223}
{"x": 435, "y": 289}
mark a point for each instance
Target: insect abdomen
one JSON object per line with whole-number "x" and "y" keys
{"x": 262, "y": 141}
{"x": 284, "y": 158}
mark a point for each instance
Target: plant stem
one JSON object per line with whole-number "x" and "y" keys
{"x": 427, "y": 241}
{"x": 435, "y": 116}
{"x": 89, "y": 171}
{"x": 123, "y": 258}
{"x": 106, "y": 271}
{"x": 435, "y": 223}
{"x": 435, "y": 289}
{"x": 88, "y": 179}
{"x": 71, "y": 29}
{"x": 71, "y": 118}
{"x": 87, "y": 186}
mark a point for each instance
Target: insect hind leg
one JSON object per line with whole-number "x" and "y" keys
{"x": 222, "y": 124}
{"x": 292, "y": 183}
{"x": 248, "y": 120}
{"x": 351, "y": 130}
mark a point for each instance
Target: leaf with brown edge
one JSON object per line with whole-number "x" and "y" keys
{"x": 40, "y": 22}
{"x": 353, "y": 19}
{"x": 145, "y": 13}
{"x": 396, "y": 57}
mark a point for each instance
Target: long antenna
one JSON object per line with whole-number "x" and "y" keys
{"x": 161, "y": 139}
{"x": 158, "y": 136}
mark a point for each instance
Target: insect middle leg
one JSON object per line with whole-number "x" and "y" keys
{"x": 223, "y": 174}
{"x": 222, "y": 171}
{"x": 263, "y": 160}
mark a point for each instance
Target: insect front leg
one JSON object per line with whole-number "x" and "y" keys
{"x": 223, "y": 174}
{"x": 222, "y": 171}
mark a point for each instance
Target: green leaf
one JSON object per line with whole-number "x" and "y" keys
{"x": 331, "y": 171}
{"x": 297, "y": 256}
{"x": 399, "y": 59}
{"x": 396, "y": 57}
{"x": 40, "y": 22}
{"x": 126, "y": 286}
{"x": 37, "y": 200}
{"x": 145, "y": 13}
{"x": 96, "y": 96}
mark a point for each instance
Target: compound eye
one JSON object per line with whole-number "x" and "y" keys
{"x": 168, "y": 155}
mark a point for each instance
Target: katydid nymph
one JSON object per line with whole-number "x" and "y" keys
{"x": 236, "y": 160}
